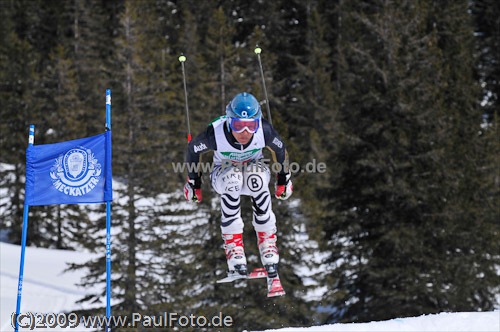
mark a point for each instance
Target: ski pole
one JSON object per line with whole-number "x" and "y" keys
{"x": 182, "y": 59}
{"x": 257, "y": 51}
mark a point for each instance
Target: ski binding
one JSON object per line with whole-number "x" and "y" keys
{"x": 256, "y": 273}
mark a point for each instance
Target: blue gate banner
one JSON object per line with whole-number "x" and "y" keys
{"x": 71, "y": 172}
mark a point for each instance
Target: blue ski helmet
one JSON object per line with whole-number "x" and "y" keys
{"x": 244, "y": 106}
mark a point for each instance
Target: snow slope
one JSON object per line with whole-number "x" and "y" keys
{"x": 46, "y": 287}
{"x": 463, "y": 321}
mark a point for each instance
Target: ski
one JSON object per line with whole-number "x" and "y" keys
{"x": 256, "y": 273}
{"x": 274, "y": 287}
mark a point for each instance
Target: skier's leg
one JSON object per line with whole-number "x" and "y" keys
{"x": 256, "y": 184}
{"x": 228, "y": 183}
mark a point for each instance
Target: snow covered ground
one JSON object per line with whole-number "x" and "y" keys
{"x": 47, "y": 289}
{"x": 463, "y": 321}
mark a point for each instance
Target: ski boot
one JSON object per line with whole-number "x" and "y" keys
{"x": 269, "y": 257}
{"x": 268, "y": 252}
{"x": 235, "y": 254}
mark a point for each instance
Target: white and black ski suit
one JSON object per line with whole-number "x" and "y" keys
{"x": 239, "y": 170}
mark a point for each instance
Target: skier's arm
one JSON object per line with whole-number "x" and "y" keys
{"x": 284, "y": 188}
{"x": 202, "y": 143}
{"x": 278, "y": 149}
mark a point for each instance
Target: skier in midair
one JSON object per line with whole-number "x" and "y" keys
{"x": 237, "y": 140}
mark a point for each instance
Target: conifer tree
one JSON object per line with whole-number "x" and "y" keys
{"x": 19, "y": 108}
{"x": 318, "y": 107}
{"x": 86, "y": 25}
{"x": 395, "y": 236}
{"x": 313, "y": 111}
{"x": 60, "y": 109}
{"x": 485, "y": 13}
{"x": 220, "y": 56}
{"x": 474, "y": 231}
{"x": 138, "y": 59}
{"x": 139, "y": 158}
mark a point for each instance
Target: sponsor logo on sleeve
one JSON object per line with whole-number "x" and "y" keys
{"x": 277, "y": 142}
{"x": 200, "y": 147}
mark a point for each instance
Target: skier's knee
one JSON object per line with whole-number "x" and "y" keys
{"x": 232, "y": 224}
{"x": 265, "y": 222}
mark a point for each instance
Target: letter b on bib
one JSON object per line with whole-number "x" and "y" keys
{"x": 254, "y": 183}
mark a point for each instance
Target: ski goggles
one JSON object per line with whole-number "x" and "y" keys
{"x": 238, "y": 125}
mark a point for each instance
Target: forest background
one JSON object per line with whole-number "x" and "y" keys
{"x": 398, "y": 98}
